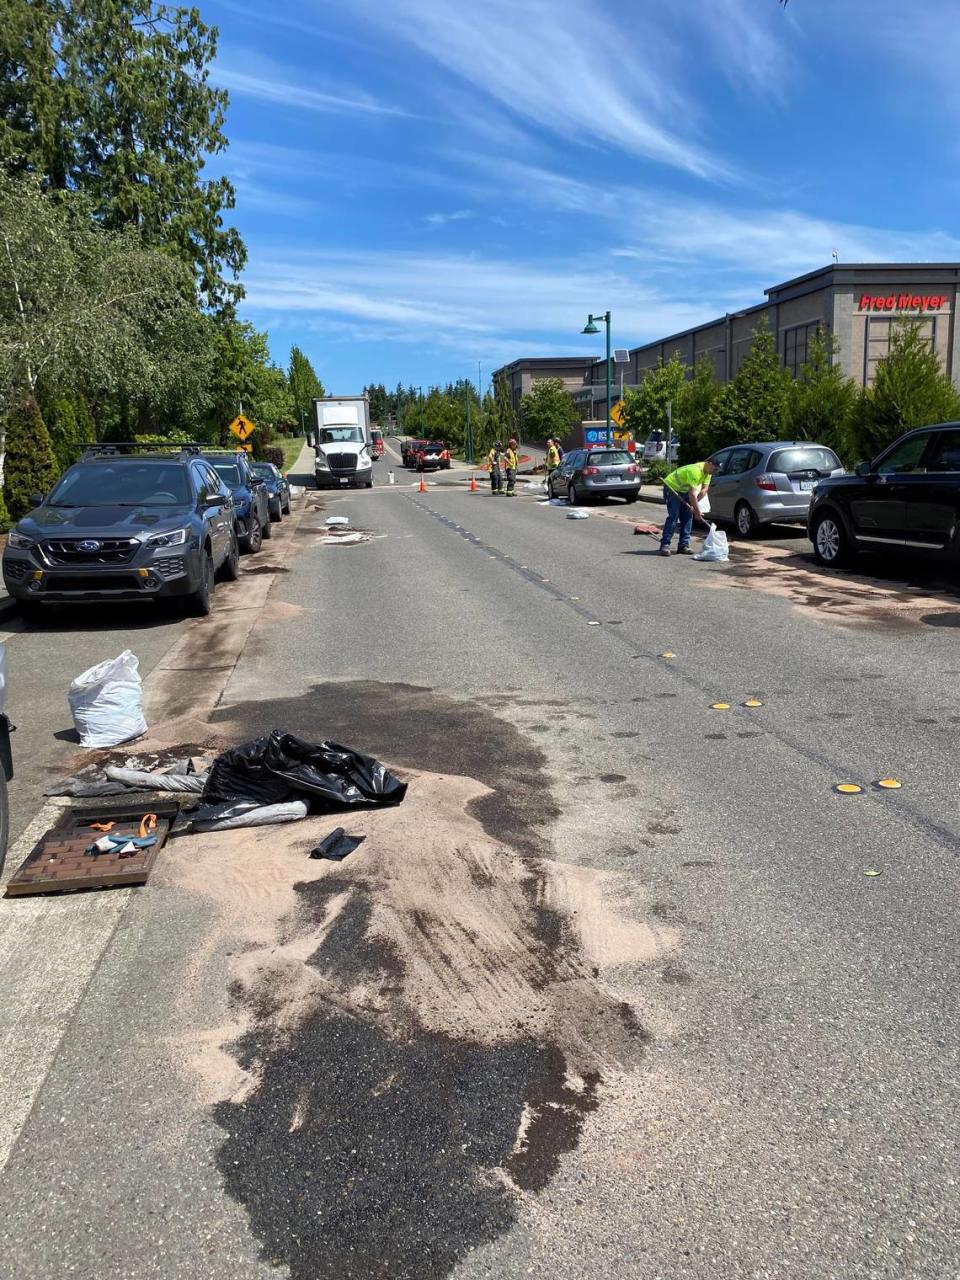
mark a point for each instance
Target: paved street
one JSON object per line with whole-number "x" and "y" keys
{"x": 610, "y": 993}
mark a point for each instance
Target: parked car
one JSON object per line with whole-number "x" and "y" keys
{"x": 595, "y": 473}
{"x": 277, "y": 488}
{"x": 908, "y": 497}
{"x": 768, "y": 483}
{"x": 125, "y": 526}
{"x": 250, "y": 500}
{"x": 656, "y": 447}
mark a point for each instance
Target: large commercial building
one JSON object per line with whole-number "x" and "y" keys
{"x": 858, "y": 303}
{"x": 522, "y": 374}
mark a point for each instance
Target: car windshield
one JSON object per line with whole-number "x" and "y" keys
{"x": 817, "y": 459}
{"x": 655, "y": 437}
{"x": 264, "y": 469}
{"x": 608, "y": 458}
{"x": 228, "y": 472}
{"x": 436, "y": 444}
{"x": 122, "y": 484}
{"x": 337, "y": 435}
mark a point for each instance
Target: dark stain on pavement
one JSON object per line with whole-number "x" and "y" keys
{"x": 941, "y": 619}
{"x": 613, "y": 777}
{"x": 410, "y": 726}
{"x": 663, "y": 829}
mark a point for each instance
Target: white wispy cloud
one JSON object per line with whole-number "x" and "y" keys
{"x": 441, "y": 219}
{"x": 565, "y": 65}
{"x": 751, "y": 42}
{"x": 263, "y": 79}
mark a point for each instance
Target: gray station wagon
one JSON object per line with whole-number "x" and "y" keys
{"x": 768, "y": 483}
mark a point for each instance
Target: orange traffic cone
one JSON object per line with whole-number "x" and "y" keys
{"x": 423, "y": 483}
{"x": 473, "y": 484}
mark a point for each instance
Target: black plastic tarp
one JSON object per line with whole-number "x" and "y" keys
{"x": 283, "y": 767}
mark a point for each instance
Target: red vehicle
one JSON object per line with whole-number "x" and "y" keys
{"x": 409, "y": 450}
{"x": 376, "y": 442}
{"x": 433, "y": 456}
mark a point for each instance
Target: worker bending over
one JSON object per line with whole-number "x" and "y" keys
{"x": 682, "y": 491}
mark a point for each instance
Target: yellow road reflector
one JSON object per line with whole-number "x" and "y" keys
{"x": 889, "y": 784}
{"x": 720, "y": 706}
{"x": 872, "y": 871}
{"x": 668, "y": 654}
{"x": 753, "y": 702}
{"x": 848, "y": 789}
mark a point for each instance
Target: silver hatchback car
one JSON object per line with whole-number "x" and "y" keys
{"x": 768, "y": 483}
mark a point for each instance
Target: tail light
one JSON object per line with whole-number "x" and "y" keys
{"x": 632, "y": 470}
{"x": 591, "y": 471}
{"x": 766, "y": 482}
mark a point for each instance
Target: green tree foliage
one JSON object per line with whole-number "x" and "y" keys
{"x": 30, "y": 466}
{"x": 909, "y": 390}
{"x": 70, "y": 426}
{"x": 244, "y": 376}
{"x": 305, "y": 387}
{"x": 547, "y": 410}
{"x": 645, "y": 406}
{"x": 112, "y": 98}
{"x": 379, "y": 403}
{"x": 821, "y": 400}
{"x": 505, "y": 424}
{"x": 692, "y": 408}
{"x": 444, "y": 417}
{"x": 752, "y": 406}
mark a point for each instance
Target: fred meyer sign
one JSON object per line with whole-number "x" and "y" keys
{"x": 902, "y": 302}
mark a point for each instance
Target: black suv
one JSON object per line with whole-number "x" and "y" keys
{"x": 125, "y": 526}
{"x": 251, "y": 501}
{"x": 908, "y": 497}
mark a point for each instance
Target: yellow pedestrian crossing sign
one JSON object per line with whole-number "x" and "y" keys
{"x": 616, "y": 412}
{"x": 242, "y": 427}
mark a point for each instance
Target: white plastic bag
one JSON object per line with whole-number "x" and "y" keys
{"x": 577, "y": 514}
{"x": 106, "y": 702}
{"x": 714, "y": 546}
{"x": 704, "y": 504}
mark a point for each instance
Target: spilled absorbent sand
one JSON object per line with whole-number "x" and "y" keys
{"x": 429, "y": 926}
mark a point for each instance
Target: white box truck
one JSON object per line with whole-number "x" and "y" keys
{"x": 342, "y": 443}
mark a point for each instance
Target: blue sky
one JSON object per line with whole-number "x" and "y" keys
{"x": 423, "y": 184}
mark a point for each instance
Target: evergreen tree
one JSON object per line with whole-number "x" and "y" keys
{"x": 305, "y": 387}
{"x": 112, "y": 98}
{"x": 30, "y": 465}
{"x": 378, "y": 403}
{"x": 691, "y": 411}
{"x": 547, "y": 410}
{"x": 909, "y": 390}
{"x": 752, "y": 406}
{"x": 821, "y": 399}
{"x": 506, "y": 424}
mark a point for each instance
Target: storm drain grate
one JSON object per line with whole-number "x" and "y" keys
{"x": 58, "y": 863}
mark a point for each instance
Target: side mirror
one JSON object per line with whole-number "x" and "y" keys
{"x": 862, "y": 469}
{"x": 35, "y": 500}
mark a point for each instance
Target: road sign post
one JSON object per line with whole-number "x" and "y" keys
{"x": 242, "y": 427}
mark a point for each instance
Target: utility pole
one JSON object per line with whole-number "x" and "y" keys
{"x": 469, "y": 441}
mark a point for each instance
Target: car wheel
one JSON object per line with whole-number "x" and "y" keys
{"x": 368, "y": 485}
{"x": 32, "y": 611}
{"x": 200, "y": 602}
{"x": 572, "y": 496}
{"x": 632, "y": 497}
{"x": 231, "y": 565}
{"x": 830, "y": 543}
{"x": 254, "y": 539}
{"x": 745, "y": 520}
{"x": 286, "y": 506}
{"x": 276, "y": 513}
{"x": 267, "y": 528}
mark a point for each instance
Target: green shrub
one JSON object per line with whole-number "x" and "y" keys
{"x": 274, "y": 455}
{"x": 657, "y": 471}
{"x": 30, "y": 465}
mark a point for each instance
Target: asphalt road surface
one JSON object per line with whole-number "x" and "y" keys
{"x": 617, "y": 990}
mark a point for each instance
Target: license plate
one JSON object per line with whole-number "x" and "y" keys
{"x": 806, "y": 485}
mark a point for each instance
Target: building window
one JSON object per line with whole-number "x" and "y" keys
{"x": 796, "y": 345}
{"x": 879, "y": 332}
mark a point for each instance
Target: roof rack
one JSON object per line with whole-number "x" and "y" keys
{"x": 124, "y": 448}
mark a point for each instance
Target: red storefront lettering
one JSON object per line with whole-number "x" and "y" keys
{"x": 902, "y": 302}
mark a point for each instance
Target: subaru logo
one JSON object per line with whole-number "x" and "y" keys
{"x": 88, "y": 544}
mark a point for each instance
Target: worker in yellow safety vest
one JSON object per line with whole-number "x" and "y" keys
{"x": 495, "y": 467}
{"x": 553, "y": 455}
{"x": 511, "y": 461}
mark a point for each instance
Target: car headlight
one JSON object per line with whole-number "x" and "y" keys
{"x": 175, "y": 538}
{"x": 19, "y": 540}
{"x": 322, "y": 464}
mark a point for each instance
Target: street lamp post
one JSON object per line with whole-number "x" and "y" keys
{"x": 590, "y": 327}
{"x": 469, "y": 440}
